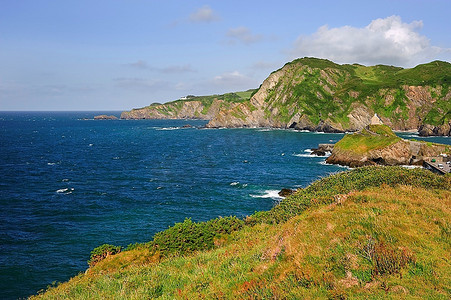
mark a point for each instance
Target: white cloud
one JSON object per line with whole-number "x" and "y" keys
{"x": 143, "y": 65}
{"x": 383, "y": 41}
{"x": 234, "y": 81}
{"x": 203, "y": 14}
{"x": 243, "y": 35}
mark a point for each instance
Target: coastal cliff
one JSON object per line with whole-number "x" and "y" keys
{"x": 378, "y": 145}
{"x": 192, "y": 107}
{"x": 320, "y": 95}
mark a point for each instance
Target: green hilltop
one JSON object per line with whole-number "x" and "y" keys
{"x": 369, "y": 233}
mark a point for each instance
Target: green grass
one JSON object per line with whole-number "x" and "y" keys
{"x": 376, "y": 137}
{"x": 369, "y": 233}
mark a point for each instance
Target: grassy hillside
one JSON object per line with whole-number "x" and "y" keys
{"x": 321, "y": 89}
{"x": 373, "y": 137}
{"x": 370, "y": 233}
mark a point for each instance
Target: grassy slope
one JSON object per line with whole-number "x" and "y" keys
{"x": 376, "y": 137}
{"x": 311, "y": 95}
{"x": 370, "y": 233}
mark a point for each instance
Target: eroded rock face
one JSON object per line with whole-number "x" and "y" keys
{"x": 318, "y": 95}
{"x": 403, "y": 152}
{"x": 105, "y": 117}
{"x": 275, "y": 98}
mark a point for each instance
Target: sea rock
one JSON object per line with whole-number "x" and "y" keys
{"x": 323, "y": 149}
{"x": 105, "y": 117}
{"x": 286, "y": 192}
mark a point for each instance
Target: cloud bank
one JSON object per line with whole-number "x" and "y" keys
{"x": 383, "y": 41}
{"x": 204, "y": 14}
{"x": 243, "y": 35}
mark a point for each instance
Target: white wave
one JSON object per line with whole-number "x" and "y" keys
{"x": 305, "y": 155}
{"x": 312, "y": 155}
{"x": 65, "y": 180}
{"x": 324, "y": 163}
{"x": 274, "y": 194}
{"x": 116, "y": 157}
{"x": 65, "y": 191}
{"x": 411, "y": 167}
{"x": 235, "y": 183}
{"x": 169, "y": 128}
{"x": 51, "y": 164}
{"x": 308, "y": 150}
{"x": 90, "y": 145}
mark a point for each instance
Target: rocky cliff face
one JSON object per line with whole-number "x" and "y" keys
{"x": 176, "y": 110}
{"x": 319, "y": 95}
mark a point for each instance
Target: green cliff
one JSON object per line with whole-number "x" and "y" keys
{"x": 379, "y": 145}
{"x": 319, "y": 95}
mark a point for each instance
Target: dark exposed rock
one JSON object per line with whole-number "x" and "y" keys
{"x": 187, "y": 126}
{"x": 105, "y": 117}
{"x": 286, "y": 192}
{"x": 323, "y": 149}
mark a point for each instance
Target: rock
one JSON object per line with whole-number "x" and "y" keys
{"x": 187, "y": 126}
{"x": 286, "y": 192}
{"x": 105, "y": 117}
{"x": 426, "y": 130}
{"x": 397, "y": 151}
{"x": 323, "y": 149}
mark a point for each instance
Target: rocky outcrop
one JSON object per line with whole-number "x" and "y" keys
{"x": 395, "y": 151}
{"x": 430, "y": 130}
{"x": 105, "y": 117}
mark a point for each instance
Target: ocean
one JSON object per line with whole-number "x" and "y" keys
{"x": 69, "y": 183}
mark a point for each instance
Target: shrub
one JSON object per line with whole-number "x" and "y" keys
{"x": 101, "y": 252}
{"x": 388, "y": 260}
{"x": 188, "y": 236}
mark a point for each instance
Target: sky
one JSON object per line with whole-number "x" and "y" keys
{"x": 124, "y": 54}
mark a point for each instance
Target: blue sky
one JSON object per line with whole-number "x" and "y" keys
{"x": 123, "y": 54}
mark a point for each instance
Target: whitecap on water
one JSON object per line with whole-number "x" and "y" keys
{"x": 235, "y": 183}
{"x": 65, "y": 191}
{"x": 169, "y": 128}
{"x": 273, "y": 194}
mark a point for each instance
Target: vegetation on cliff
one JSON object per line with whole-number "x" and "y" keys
{"x": 378, "y": 144}
{"x": 317, "y": 94}
{"x": 320, "y": 95}
{"x": 191, "y": 107}
{"x": 369, "y": 233}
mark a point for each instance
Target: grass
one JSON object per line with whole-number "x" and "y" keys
{"x": 370, "y": 233}
{"x": 375, "y": 137}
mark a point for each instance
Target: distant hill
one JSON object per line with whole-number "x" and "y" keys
{"x": 320, "y": 95}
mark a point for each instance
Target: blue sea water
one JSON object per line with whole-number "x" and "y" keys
{"x": 69, "y": 183}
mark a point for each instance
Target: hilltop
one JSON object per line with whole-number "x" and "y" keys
{"x": 369, "y": 233}
{"x": 320, "y": 95}
{"x": 378, "y": 144}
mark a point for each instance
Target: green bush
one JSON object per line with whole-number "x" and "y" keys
{"x": 102, "y": 252}
{"x": 188, "y": 236}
